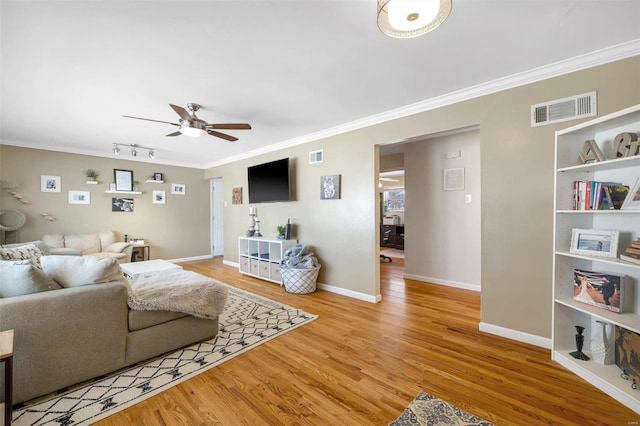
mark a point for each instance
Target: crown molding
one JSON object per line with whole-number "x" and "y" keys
{"x": 577, "y": 63}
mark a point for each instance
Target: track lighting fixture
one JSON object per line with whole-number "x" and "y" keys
{"x": 135, "y": 148}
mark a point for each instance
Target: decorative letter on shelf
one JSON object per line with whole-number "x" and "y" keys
{"x": 590, "y": 153}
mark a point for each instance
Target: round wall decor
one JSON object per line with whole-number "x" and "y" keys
{"x": 10, "y": 220}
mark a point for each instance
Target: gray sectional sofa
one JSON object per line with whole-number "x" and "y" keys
{"x": 63, "y": 336}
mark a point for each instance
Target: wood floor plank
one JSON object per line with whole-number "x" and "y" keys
{"x": 361, "y": 364}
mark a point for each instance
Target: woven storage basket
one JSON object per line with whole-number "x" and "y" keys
{"x": 300, "y": 281}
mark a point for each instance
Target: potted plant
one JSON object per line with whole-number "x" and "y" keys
{"x": 91, "y": 174}
{"x": 281, "y": 230}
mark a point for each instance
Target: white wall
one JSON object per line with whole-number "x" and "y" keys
{"x": 442, "y": 232}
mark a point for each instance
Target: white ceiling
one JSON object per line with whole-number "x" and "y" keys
{"x": 294, "y": 70}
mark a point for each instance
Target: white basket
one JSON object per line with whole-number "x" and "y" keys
{"x": 300, "y": 281}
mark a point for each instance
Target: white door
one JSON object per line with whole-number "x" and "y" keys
{"x": 217, "y": 223}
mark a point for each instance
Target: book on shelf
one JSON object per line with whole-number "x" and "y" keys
{"x": 593, "y": 195}
{"x": 632, "y": 251}
{"x": 631, "y": 259}
{"x": 605, "y": 291}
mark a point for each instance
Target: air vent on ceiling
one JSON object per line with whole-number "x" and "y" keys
{"x": 315, "y": 157}
{"x": 564, "y": 109}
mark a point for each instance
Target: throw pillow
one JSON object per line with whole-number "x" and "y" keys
{"x": 38, "y": 243}
{"x": 74, "y": 271}
{"x": 29, "y": 251}
{"x": 19, "y": 279}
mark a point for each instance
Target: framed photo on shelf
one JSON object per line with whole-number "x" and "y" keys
{"x": 598, "y": 289}
{"x": 124, "y": 179}
{"x": 632, "y": 200}
{"x": 79, "y": 197}
{"x": 593, "y": 242}
{"x": 49, "y": 183}
{"x": 157, "y": 176}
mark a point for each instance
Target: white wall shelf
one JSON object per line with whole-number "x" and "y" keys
{"x": 92, "y": 182}
{"x": 261, "y": 257}
{"x": 123, "y": 192}
{"x": 153, "y": 181}
{"x": 567, "y": 312}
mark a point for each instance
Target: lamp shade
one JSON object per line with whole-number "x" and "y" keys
{"x": 411, "y": 18}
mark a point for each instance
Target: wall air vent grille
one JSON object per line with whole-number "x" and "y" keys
{"x": 564, "y": 109}
{"x": 316, "y": 157}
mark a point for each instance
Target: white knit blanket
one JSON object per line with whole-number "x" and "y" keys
{"x": 178, "y": 291}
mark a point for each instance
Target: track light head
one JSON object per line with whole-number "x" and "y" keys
{"x": 151, "y": 155}
{"x": 134, "y": 153}
{"x": 116, "y": 150}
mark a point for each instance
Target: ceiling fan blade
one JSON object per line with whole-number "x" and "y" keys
{"x": 178, "y": 133}
{"x": 230, "y": 126}
{"x": 181, "y": 112}
{"x": 148, "y": 119}
{"x": 222, "y": 135}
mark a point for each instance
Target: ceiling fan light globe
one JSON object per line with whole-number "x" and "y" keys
{"x": 194, "y": 132}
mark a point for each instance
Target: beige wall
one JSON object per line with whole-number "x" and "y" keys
{"x": 177, "y": 229}
{"x": 442, "y": 232}
{"x": 516, "y": 185}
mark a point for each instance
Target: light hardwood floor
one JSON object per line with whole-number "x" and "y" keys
{"x": 361, "y": 363}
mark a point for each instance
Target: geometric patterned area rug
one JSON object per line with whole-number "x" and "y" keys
{"x": 248, "y": 321}
{"x": 428, "y": 410}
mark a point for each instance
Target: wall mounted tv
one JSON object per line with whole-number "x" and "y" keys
{"x": 269, "y": 182}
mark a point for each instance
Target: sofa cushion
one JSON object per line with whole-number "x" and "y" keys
{"x": 106, "y": 239}
{"x": 18, "y": 279}
{"x": 74, "y": 271}
{"x": 87, "y": 243}
{"x": 53, "y": 240}
{"x": 38, "y": 243}
{"x": 115, "y": 247}
{"x": 145, "y": 319}
{"x": 28, "y": 251}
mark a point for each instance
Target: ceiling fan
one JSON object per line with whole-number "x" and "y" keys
{"x": 191, "y": 125}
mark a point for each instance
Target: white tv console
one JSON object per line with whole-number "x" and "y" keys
{"x": 260, "y": 257}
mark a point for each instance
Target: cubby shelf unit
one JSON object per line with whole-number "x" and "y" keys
{"x": 261, "y": 257}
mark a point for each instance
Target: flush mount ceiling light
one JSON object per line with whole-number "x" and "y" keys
{"x": 411, "y": 18}
{"x": 134, "y": 149}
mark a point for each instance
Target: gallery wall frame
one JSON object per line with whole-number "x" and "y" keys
{"x": 50, "y": 183}
{"x": 123, "y": 179}
{"x": 178, "y": 188}
{"x": 79, "y": 197}
{"x": 330, "y": 187}
{"x": 453, "y": 179}
{"x": 159, "y": 197}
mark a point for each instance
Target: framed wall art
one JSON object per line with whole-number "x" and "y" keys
{"x": 122, "y": 205}
{"x": 330, "y": 187}
{"x": 592, "y": 242}
{"x": 123, "y": 179}
{"x": 79, "y": 197}
{"x": 159, "y": 197}
{"x": 178, "y": 188}
{"x": 453, "y": 179}
{"x": 50, "y": 183}
{"x": 237, "y": 196}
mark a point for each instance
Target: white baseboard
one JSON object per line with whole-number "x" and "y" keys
{"x": 349, "y": 293}
{"x": 189, "y": 259}
{"x": 230, "y": 263}
{"x": 519, "y": 336}
{"x": 474, "y": 287}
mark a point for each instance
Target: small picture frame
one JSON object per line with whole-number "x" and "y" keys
{"x": 453, "y": 179}
{"x": 606, "y": 291}
{"x": 157, "y": 176}
{"x": 592, "y": 242}
{"x": 50, "y": 183}
{"x": 178, "y": 188}
{"x": 237, "y": 195}
{"x": 124, "y": 179}
{"x": 632, "y": 200}
{"x": 159, "y": 197}
{"x": 79, "y": 197}
{"x": 112, "y": 186}
{"x": 330, "y": 187}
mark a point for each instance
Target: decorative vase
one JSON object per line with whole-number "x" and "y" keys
{"x": 252, "y": 225}
{"x": 601, "y": 350}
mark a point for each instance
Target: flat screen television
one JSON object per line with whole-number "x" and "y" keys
{"x": 269, "y": 182}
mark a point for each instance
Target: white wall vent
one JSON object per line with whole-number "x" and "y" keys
{"x": 316, "y": 157}
{"x": 564, "y": 109}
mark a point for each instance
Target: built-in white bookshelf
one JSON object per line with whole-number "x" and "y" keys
{"x": 567, "y": 312}
{"x": 261, "y": 257}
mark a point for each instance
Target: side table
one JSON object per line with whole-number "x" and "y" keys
{"x": 146, "y": 255}
{"x": 6, "y": 357}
